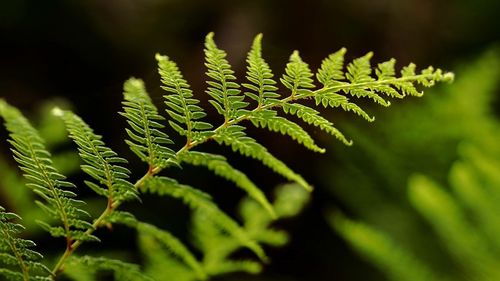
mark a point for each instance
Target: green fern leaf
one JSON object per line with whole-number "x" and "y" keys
{"x": 166, "y": 239}
{"x": 313, "y": 117}
{"x": 219, "y": 165}
{"x": 297, "y": 76}
{"x": 359, "y": 71}
{"x": 121, "y": 270}
{"x": 427, "y": 78}
{"x": 269, "y": 119}
{"x": 227, "y": 97}
{"x": 385, "y": 72}
{"x": 44, "y": 179}
{"x": 396, "y": 261}
{"x": 331, "y": 73}
{"x": 330, "y": 99}
{"x": 146, "y": 139}
{"x": 231, "y": 266}
{"x": 101, "y": 163}
{"x": 259, "y": 74}
{"x": 198, "y": 200}
{"x": 17, "y": 261}
{"x": 175, "y": 246}
{"x": 450, "y": 222}
{"x": 183, "y": 108}
{"x": 235, "y": 137}
{"x": 161, "y": 264}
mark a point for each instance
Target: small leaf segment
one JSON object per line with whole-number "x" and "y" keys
{"x": 18, "y": 262}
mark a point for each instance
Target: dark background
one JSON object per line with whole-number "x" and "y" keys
{"x": 84, "y": 50}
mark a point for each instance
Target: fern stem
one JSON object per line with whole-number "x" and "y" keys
{"x": 59, "y": 267}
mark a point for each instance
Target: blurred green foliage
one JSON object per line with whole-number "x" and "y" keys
{"x": 450, "y": 138}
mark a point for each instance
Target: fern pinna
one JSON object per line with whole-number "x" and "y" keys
{"x": 259, "y": 100}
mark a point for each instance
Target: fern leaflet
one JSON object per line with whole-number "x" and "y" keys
{"x": 17, "y": 261}
{"x": 101, "y": 163}
{"x": 173, "y": 245}
{"x": 219, "y": 165}
{"x": 146, "y": 138}
{"x": 198, "y": 200}
{"x": 121, "y": 270}
{"x": 259, "y": 74}
{"x": 331, "y": 71}
{"x": 227, "y": 97}
{"x": 297, "y": 77}
{"x": 183, "y": 108}
{"x": 313, "y": 117}
{"x": 269, "y": 119}
{"x": 235, "y": 137}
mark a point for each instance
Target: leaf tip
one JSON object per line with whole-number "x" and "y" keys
{"x": 57, "y": 111}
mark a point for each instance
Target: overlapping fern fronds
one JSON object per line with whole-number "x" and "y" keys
{"x": 263, "y": 103}
{"x": 44, "y": 179}
{"x": 215, "y": 242}
{"x": 464, "y": 220}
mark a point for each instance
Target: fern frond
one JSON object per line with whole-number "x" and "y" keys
{"x": 222, "y": 87}
{"x": 450, "y": 222}
{"x": 101, "y": 163}
{"x": 270, "y": 120}
{"x": 146, "y": 138}
{"x": 161, "y": 264}
{"x": 297, "y": 76}
{"x": 17, "y": 261}
{"x": 262, "y": 85}
{"x": 44, "y": 179}
{"x": 360, "y": 83}
{"x": 183, "y": 108}
{"x": 174, "y": 245}
{"x": 219, "y": 165}
{"x": 121, "y": 270}
{"x": 331, "y": 71}
{"x": 396, "y": 261}
{"x": 162, "y": 237}
{"x": 198, "y": 200}
{"x": 313, "y": 117}
{"x": 235, "y": 137}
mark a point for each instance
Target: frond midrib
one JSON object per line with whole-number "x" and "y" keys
{"x": 53, "y": 189}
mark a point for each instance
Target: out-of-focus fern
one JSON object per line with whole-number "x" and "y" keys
{"x": 393, "y": 259}
{"x": 216, "y": 243}
{"x": 17, "y": 261}
{"x": 217, "y": 235}
{"x": 464, "y": 221}
{"x": 121, "y": 270}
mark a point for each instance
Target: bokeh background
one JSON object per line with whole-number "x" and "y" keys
{"x": 82, "y": 51}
